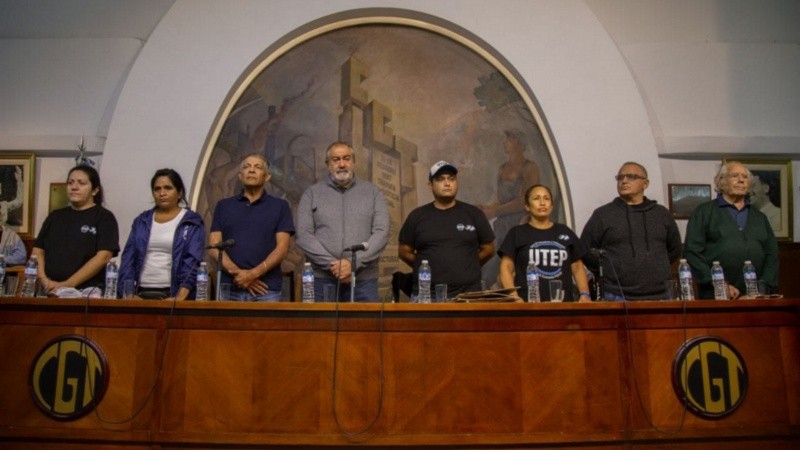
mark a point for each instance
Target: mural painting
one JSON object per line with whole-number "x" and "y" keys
{"x": 404, "y": 97}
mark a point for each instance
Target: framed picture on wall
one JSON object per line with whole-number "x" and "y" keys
{"x": 17, "y": 171}
{"x": 771, "y": 192}
{"x": 58, "y": 197}
{"x": 684, "y": 198}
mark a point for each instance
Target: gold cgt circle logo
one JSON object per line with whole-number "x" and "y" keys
{"x": 710, "y": 376}
{"x": 69, "y": 377}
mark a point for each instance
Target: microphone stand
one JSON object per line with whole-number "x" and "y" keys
{"x": 353, "y": 277}
{"x": 218, "y": 287}
{"x": 600, "y": 287}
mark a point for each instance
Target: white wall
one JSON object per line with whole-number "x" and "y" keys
{"x": 720, "y": 77}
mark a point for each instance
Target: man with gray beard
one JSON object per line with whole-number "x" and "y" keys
{"x": 336, "y": 213}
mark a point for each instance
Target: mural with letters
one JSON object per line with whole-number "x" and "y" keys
{"x": 404, "y": 97}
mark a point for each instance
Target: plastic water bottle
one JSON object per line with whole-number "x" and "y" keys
{"x": 424, "y": 292}
{"x": 202, "y": 282}
{"x": 532, "y": 277}
{"x": 750, "y": 279}
{"x": 685, "y": 277}
{"x": 718, "y": 280}
{"x": 31, "y": 274}
{"x": 2, "y": 271}
{"x": 308, "y": 283}
{"x": 112, "y": 275}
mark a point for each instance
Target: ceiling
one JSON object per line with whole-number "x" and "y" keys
{"x": 64, "y": 19}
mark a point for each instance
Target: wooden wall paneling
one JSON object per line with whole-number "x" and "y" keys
{"x": 788, "y": 281}
{"x": 484, "y": 375}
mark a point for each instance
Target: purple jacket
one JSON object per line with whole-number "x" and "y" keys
{"x": 187, "y": 251}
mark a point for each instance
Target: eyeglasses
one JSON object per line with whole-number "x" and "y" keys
{"x": 740, "y": 176}
{"x": 336, "y": 159}
{"x": 629, "y": 177}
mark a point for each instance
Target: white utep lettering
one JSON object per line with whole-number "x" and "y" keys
{"x": 549, "y": 257}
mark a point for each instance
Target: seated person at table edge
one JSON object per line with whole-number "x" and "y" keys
{"x": 12, "y": 247}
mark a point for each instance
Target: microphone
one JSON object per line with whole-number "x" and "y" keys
{"x": 357, "y": 248}
{"x": 222, "y": 245}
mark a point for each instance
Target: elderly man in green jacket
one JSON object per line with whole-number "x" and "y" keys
{"x": 727, "y": 229}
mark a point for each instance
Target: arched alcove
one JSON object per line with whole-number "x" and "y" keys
{"x": 406, "y": 90}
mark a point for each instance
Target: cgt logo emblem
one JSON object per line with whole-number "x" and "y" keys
{"x": 69, "y": 377}
{"x": 710, "y": 376}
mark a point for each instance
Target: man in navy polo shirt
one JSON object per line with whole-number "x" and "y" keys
{"x": 262, "y": 227}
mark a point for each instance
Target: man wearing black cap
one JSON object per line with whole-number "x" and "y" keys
{"x": 453, "y": 236}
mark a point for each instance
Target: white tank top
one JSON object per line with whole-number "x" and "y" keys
{"x": 157, "y": 269}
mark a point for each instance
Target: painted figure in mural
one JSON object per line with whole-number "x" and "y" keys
{"x": 760, "y": 198}
{"x": 165, "y": 245}
{"x": 338, "y": 212}
{"x": 635, "y": 239}
{"x": 7, "y": 205}
{"x": 727, "y": 229}
{"x": 556, "y": 250}
{"x": 261, "y": 226}
{"x": 454, "y": 237}
{"x": 76, "y": 242}
{"x": 508, "y": 208}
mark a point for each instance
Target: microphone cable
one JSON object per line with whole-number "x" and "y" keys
{"x": 160, "y": 368}
{"x": 629, "y": 347}
{"x": 381, "y": 371}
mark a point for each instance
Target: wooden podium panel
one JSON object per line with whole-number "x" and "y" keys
{"x": 236, "y": 375}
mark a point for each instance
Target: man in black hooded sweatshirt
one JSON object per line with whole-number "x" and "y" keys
{"x": 637, "y": 239}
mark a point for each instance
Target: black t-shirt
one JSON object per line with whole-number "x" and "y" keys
{"x": 70, "y": 238}
{"x": 449, "y": 239}
{"x": 554, "y": 250}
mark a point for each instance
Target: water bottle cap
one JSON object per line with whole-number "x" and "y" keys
{"x": 683, "y": 260}
{"x": 714, "y": 262}
{"x": 308, "y": 264}
{"x": 424, "y": 261}
{"x": 748, "y": 262}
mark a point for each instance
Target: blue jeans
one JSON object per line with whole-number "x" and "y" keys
{"x": 366, "y": 290}
{"x": 612, "y": 297}
{"x": 241, "y": 295}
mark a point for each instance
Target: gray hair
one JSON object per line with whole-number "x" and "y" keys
{"x": 255, "y": 155}
{"x": 337, "y": 144}
{"x": 722, "y": 174}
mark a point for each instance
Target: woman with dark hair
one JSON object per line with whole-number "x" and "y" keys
{"x": 76, "y": 242}
{"x": 165, "y": 246}
{"x": 554, "y": 248}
